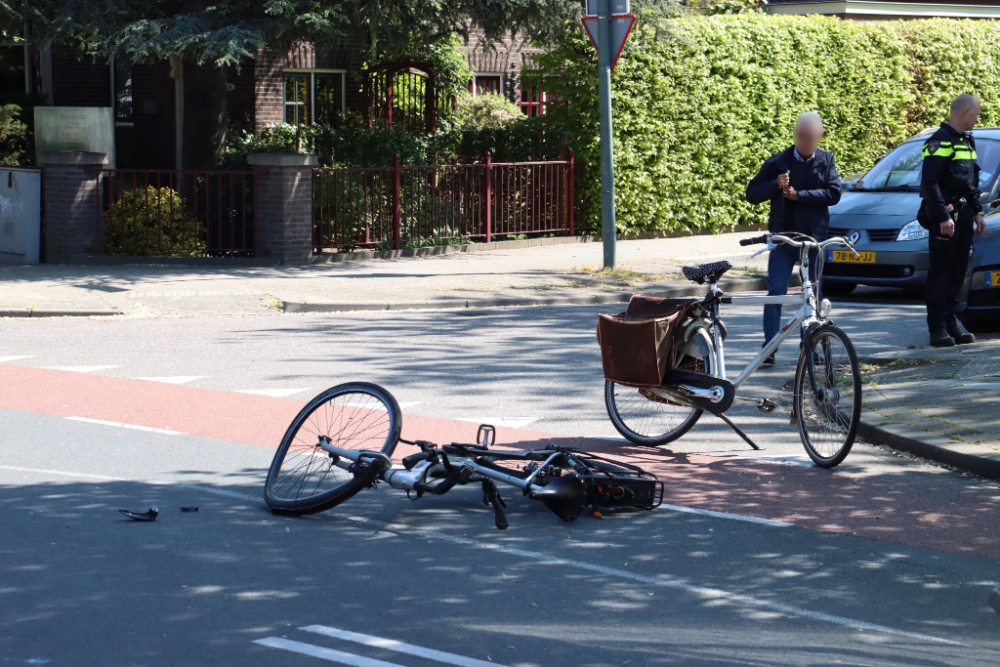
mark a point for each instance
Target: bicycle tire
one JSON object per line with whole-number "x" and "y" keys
{"x": 829, "y": 426}
{"x": 354, "y": 415}
{"x": 684, "y": 417}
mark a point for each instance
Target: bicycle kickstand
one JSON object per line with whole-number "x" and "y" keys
{"x": 737, "y": 429}
{"x": 491, "y": 496}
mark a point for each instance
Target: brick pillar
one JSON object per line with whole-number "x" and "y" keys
{"x": 72, "y": 213}
{"x": 284, "y": 206}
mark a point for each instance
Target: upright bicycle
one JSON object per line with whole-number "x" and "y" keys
{"x": 826, "y": 396}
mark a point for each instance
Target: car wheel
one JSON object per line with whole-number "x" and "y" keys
{"x": 838, "y": 289}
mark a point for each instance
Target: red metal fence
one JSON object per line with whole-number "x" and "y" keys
{"x": 390, "y": 207}
{"x": 177, "y": 213}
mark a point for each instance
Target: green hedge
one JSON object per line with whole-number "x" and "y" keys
{"x": 695, "y": 115}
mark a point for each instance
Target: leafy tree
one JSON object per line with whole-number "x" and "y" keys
{"x": 228, "y": 32}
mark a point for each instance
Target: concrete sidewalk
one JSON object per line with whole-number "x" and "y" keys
{"x": 937, "y": 403}
{"x": 559, "y": 273}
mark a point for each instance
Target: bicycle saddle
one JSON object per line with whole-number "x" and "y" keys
{"x": 706, "y": 273}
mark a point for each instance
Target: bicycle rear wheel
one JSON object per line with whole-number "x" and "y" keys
{"x": 304, "y": 478}
{"x": 655, "y": 421}
{"x": 829, "y": 416}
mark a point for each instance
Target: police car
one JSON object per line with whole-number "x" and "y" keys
{"x": 878, "y": 212}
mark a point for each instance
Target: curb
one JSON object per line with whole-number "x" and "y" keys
{"x": 24, "y": 312}
{"x": 968, "y": 458}
{"x": 738, "y": 285}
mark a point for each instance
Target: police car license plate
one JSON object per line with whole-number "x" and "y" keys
{"x": 993, "y": 278}
{"x": 848, "y": 256}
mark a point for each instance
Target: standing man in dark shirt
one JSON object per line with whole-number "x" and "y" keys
{"x": 801, "y": 182}
{"x": 951, "y": 212}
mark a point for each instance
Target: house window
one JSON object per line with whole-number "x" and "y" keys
{"x": 483, "y": 84}
{"x": 533, "y": 102}
{"x": 315, "y": 96}
{"x": 122, "y": 81}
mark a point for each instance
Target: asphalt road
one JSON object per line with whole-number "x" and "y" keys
{"x": 233, "y": 585}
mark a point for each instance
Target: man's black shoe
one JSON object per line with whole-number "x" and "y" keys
{"x": 769, "y": 360}
{"x": 940, "y": 338}
{"x": 961, "y": 335}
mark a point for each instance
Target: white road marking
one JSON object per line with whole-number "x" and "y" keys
{"x": 701, "y": 591}
{"x": 399, "y": 647}
{"x": 726, "y": 515}
{"x": 60, "y": 473}
{"x": 176, "y": 379}
{"x": 324, "y": 653}
{"x": 273, "y": 393}
{"x": 135, "y": 427}
{"x": 403, "y": 406}
{"x": 16, "y": 357}
{"x": 78, "y": 369}
{"x": 508, "y": 422}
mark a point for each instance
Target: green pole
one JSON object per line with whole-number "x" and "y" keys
{"x": 604, "y": 56}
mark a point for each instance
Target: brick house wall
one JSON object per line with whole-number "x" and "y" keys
{"x": 269, "y": 77}
{"x": 79, "y": 83}
{"x": 254, "y": 94}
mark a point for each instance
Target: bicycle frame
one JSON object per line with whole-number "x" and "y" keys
{"x": 590, "y": 479}
{"x": 805, "y": 316}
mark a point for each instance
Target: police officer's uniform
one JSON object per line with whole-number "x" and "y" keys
{"x": 949, "y": 173}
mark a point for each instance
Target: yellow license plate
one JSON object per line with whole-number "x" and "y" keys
{"x": 848, "y": 256}
{"x": 993, "y": 278}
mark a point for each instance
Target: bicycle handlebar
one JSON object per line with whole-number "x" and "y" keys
{"x": 802, "y": 242}
{"x": 754, "y": 241}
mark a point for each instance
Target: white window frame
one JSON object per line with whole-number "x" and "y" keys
{"x": 296, "y": 71}
{"x": 476, "y": 75}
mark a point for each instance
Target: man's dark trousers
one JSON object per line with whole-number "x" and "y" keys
{"x": 780, "y": 265}
{"x": 949, "y": 260}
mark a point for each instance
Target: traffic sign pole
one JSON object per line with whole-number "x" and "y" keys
{"x": 606, "y": 52}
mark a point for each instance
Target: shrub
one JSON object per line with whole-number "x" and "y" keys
{"x": 153, "y": 222}
{"x": 491, "y": 111}
{"x": 696, "y": 115}
{"x": 13, "y": 136}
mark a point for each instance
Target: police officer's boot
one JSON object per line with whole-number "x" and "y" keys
{"x": 961, "y": 335}
{"x": 940, "y": 337}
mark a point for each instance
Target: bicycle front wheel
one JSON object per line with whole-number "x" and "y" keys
{"x": 649, "y": 420}
{"x": 829, "y": 412}
{"x": 303, "y": 477}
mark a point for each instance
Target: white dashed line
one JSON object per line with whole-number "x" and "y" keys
{"x": 324, "y": 653}
{"x": 727, "y": 515}
{"x": 134, "y": 427}
{"x": 16, "y": 357}
{"x": 79, "y": 369}
{"x": 176, "y": 379}
{"x": 399, "y": 647}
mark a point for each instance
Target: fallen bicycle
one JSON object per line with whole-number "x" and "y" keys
{"x": 343, "y": 441}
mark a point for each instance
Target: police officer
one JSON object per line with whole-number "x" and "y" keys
{"x": 951, "y": 211}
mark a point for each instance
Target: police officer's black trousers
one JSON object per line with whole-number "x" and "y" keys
{"x": 949, "y": 260}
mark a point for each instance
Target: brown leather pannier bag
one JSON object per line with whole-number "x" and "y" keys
{"x": 637, "y": 346}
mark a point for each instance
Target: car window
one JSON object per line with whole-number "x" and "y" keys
{"x": 900, "y": 169}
